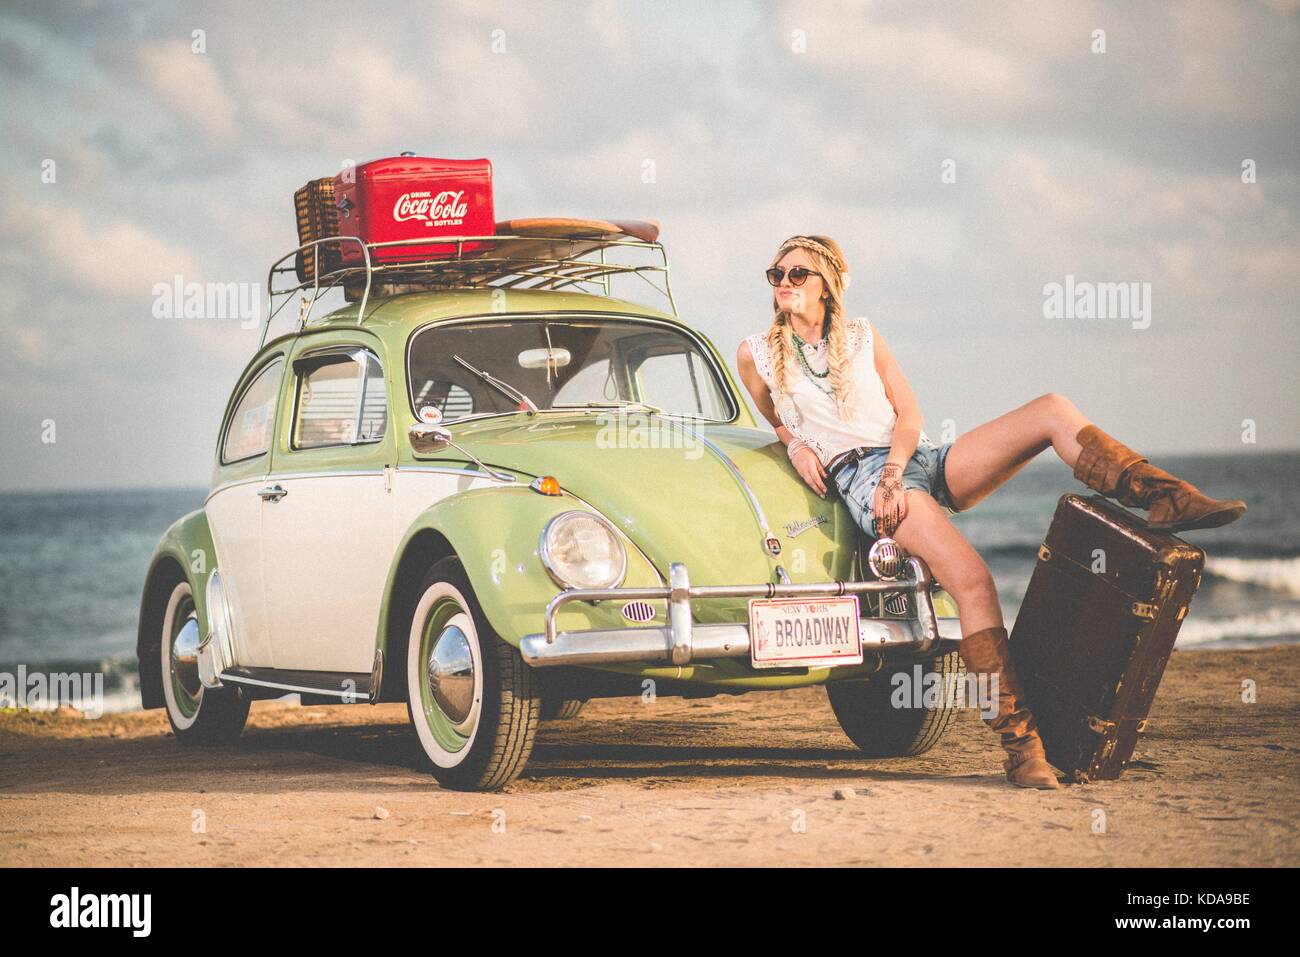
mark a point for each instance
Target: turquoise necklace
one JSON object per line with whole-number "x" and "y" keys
{"x": 812, "y": 374}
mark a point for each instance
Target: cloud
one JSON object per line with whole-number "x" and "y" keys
{"x": 1122, "y": 166}
{"x": 190, "y": 85}
{"x": 114, "y": 257}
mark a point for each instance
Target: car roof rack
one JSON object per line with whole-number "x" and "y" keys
{"x": 549, "y": 253}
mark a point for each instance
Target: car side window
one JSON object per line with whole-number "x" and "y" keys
{"x": 253, "y": 421}
{"x": 340, "y": 399}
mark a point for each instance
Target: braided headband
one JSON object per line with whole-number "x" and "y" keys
{"x": 806, "y": 243}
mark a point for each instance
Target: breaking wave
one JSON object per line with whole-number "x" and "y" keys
{"x": 1281, "y": 574}
{"x": 1240, "y": 630}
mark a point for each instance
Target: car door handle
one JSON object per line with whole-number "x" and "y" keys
{"x": 273, "y": 493}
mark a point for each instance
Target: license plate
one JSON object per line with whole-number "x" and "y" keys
{"x": 804, "y": 632}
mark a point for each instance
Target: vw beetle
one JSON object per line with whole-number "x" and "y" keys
{"x": 490, "y": 488}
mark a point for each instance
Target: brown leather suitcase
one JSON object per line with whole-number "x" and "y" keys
{"x": 318, "y": 218}
{"x": 1096, "y": 628}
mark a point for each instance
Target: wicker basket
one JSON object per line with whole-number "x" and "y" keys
{"x": 318, "y": 218}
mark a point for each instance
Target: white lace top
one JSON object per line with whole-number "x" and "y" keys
{"x": 810, "y": 413}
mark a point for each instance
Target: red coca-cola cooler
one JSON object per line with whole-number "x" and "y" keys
{"x": 411, "y": 197}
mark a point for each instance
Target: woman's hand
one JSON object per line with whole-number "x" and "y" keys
{"x": 890, "y": 505}
{"x": 809, "y": 466}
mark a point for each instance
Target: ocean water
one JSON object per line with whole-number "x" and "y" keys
{"x": 72, "y": 563}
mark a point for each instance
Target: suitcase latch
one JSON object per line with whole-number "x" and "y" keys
{"x": 1099, "y": 725}
{"x": 1144, "y": 609}
{"x": 1044, "y": 553}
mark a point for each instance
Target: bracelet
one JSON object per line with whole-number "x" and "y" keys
{"x": 797, "y": 445}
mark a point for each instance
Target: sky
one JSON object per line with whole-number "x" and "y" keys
{"x": 967, "y": 156}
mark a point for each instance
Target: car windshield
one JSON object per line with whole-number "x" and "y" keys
{"x": 568, "y": 362}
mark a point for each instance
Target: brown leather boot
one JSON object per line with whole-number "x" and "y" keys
{"x": 1113, "y": 469}
{"x": 987, "y": 652}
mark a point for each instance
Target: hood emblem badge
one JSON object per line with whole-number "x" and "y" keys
{"x": 793, "y": 529}
{"x": 772, "y": 545}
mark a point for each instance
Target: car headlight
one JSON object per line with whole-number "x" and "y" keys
{"x": 582, "y": 550}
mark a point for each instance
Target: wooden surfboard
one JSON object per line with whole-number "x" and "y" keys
{"x": 564, "y": 228}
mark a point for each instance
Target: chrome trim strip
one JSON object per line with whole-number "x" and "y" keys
{"x": 745, "y": 487}
{"x": 278, "y": 476}
{"x": 243, "y": 679}
{"x": 450, "y": 470}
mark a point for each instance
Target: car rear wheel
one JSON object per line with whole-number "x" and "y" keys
{"x": 474, "y": 703}
{"x": 867, "y": 713}
{"x": 198, "y": 715}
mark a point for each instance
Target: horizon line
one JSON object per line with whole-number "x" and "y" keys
{"x": 1037, "y": 463}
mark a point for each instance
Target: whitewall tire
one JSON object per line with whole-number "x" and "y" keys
{"x": 197, "y": 714}
{"x": 472, "y": 700}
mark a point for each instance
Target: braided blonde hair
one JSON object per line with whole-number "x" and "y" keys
{"x": 829, "y": 258}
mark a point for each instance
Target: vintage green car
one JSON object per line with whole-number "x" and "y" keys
{"x": 489, "y": 488}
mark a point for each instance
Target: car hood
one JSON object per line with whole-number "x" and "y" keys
{"x": 681, "y": 492}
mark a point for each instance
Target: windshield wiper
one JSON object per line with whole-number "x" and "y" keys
{"x": 611, "y": 404}
{"x": 504, "y": 388}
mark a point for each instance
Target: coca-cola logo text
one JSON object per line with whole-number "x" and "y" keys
{"x": 447, "y": 207}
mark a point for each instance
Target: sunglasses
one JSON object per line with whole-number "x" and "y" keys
{"x": 798, "y": 275}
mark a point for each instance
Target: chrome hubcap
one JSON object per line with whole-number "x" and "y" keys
{"x": 451, "y": 677}
{"x": 185, "y": 658}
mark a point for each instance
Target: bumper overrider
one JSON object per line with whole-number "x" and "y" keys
{"x": 683, "y": 640}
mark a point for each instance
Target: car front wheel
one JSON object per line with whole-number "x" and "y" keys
{"x": 868, "y": 711}
{"x": 198, "y": 715}
{"x": 474, "y": 703}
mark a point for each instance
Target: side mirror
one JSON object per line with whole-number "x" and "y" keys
{"x": 428, "y": 437}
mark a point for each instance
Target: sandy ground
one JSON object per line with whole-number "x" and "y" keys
{"x": 749, "y": 780}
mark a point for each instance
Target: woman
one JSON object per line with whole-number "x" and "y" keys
{"x": 848, "y": 418}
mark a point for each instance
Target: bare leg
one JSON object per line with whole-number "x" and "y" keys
{"x": 926, "y": 531}
{"x": 984, "y": 458}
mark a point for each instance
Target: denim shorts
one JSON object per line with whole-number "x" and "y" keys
{"x": 857, "y": 481}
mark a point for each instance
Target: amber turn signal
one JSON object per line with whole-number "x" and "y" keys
{"x": 545, "y": 484}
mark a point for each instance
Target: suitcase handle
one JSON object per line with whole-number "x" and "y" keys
{"x": 1099, "y": 725}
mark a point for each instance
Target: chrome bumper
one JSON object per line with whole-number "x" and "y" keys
{"x": 682, "y": 640}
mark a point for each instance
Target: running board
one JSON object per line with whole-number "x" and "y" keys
{"x": 344, "y": 686}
